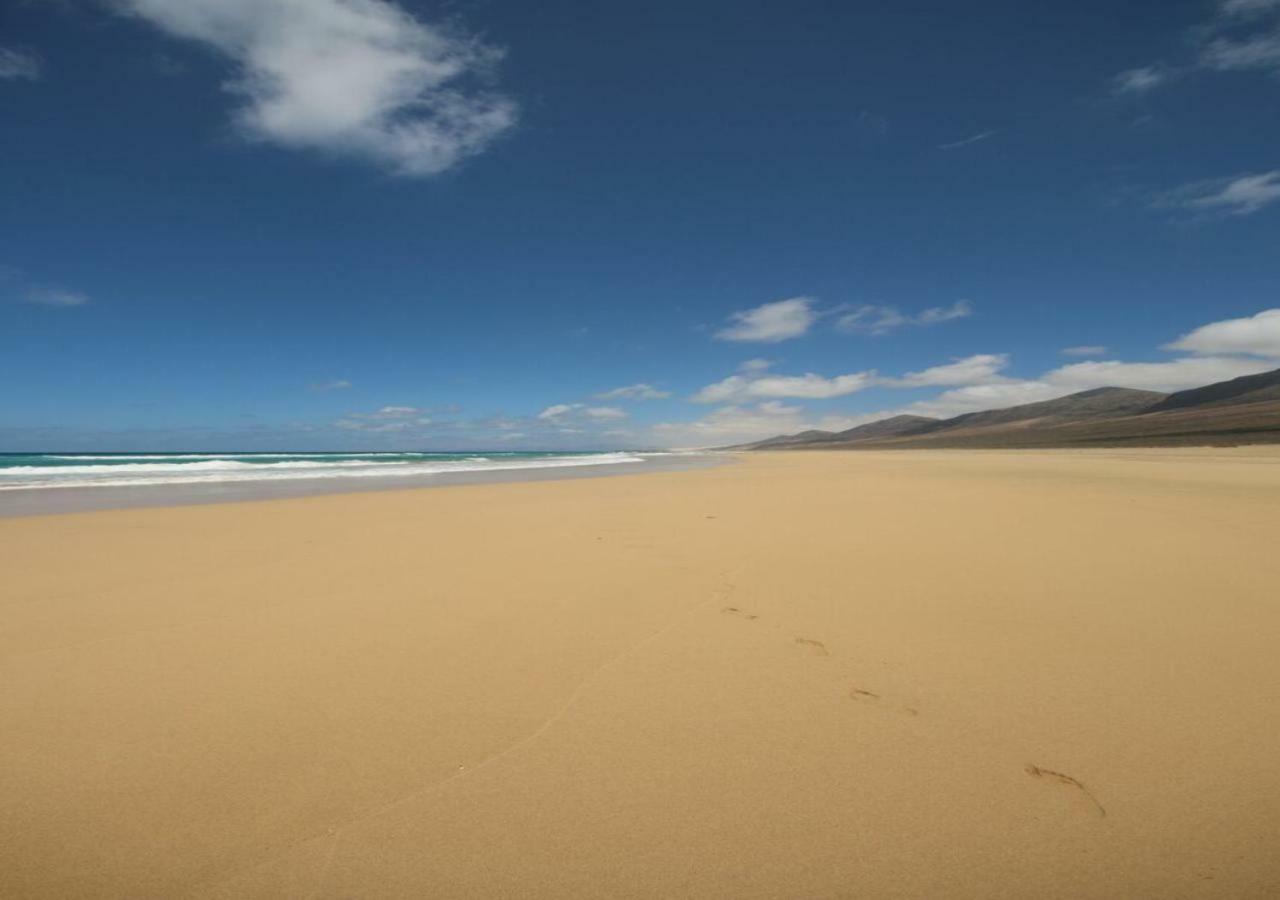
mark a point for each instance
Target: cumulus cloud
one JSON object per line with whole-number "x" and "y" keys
{"x": 1237, "y": 195}
{"x": 359, "y": 78}
{"x": 756, "y": 385}
{"x": 878, "y": 319}
{"x": 737, "y": 388}
{"x": 640, "y": 391}
{"x": 1257, "y": 335}
{"x": 771, "y": 322}
{"x": 1174, "y": 375}
{"x": 1085, "y": 350}
{"x": 974, "y": 398}
{"x": 19, "y": 65}
{"x": 982, "y": 368}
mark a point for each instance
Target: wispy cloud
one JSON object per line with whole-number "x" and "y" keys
{"x": 558, "y": 410}
{"x": 1241, "y": 35}
{"x": 336, "y": 384}
{"x": 1140, "y": 80}
{"x": 979, "y": 369}
{"x": 19, "y": 65}
{"x": 561, "y": 413}
{"x": 640, "y": 391}
{"x": 15, "y": 286}
{"x": 771, "y": 322}
{"x": 732, "y": 424}
{"x": 363, "y": 79}
{"x": 1259, "y": 51}
{"x": 1237, "y": 195}
{"x": 1084, "y": 350}
{"x": 965, "y": 142}
{"x": 54, "y": 296}
{"x": 1249, "y": 8}
{"x": 878, "y": 319}
{"x": 737, "y": 388}
{"x": 983, "y": 368}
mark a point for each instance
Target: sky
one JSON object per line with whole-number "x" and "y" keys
{"x": 494, "y": 224}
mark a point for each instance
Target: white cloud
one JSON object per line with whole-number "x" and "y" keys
{"x": 1239, "y": 195}
{"x": 640, "y": 391}
{"x": 19, "y": 65}
{"x": 984, "y": 396}
{"x": 984, "y": 368}
{"x": 771, "y": 322}
{"x": 395, "y": 412}
{"x": 357, "y": 424}
{"x": 360, "y": 78}
{"x": 1257, "y": 335}
{"x": 755, "y": 385}
{"x": 1259, "y": 51}
{"x": 558, "y": 410}
{"x": 877, "y": 320}
{"x": 964, "y": 142}
{"x": 756, "y": 365}
{"x": 1140, "y": 80}
{"x": 1249, "y": 8}
{"x": 732, "y": 425}
{"x": 54, "y": 296}
{"x": 604, "y": 413}
{"x": 1175, "y": 375}
{"x": 1084, "y": 350}
{"x": 738, "y": 388}
{"x": 335, "y": 384}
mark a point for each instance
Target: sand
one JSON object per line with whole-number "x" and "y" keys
{"x": 913, "y": 674}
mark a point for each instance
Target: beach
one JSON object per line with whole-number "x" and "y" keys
{"x": 875, "y": 674}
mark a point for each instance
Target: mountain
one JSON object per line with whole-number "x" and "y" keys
{"x": 1246, "y": 389}
{"x": 1242, "y": 410}
{"x": 1098, "y": 403}
{"x": 783, "y": 440}
{"x": 883, "y": 428}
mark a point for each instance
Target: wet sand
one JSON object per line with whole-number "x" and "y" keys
{"x": 902, "y": 674}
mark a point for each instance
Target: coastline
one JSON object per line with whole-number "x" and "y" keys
{"x": 62, "y": 500}
{"x": 912, "y": 674}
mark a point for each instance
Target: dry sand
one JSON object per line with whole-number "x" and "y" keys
{"x": 928, "y": 674}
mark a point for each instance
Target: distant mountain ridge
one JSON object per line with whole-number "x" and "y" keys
{"x": 1242, "y": 410}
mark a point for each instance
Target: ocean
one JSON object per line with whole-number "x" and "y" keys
{"x": 86, "y": 470}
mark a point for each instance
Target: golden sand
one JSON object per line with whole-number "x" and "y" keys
{"x": 916, "y": 674}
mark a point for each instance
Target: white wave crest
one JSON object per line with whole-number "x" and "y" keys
{"x": 229, "y": 470}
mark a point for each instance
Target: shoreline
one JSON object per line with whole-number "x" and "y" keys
{"x": 21, "y": 503}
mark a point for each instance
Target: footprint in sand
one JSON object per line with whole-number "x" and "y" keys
{"x": 863, "y": 695}
{"x": 734, "y": 611}
{"x": 818, "y": 648}
{"x": 1059, "y": 778}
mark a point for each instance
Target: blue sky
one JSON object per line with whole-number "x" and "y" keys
{"x": 334, "y": 224}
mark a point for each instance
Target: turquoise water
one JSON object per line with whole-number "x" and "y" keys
{"x": 54, "y": 470}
